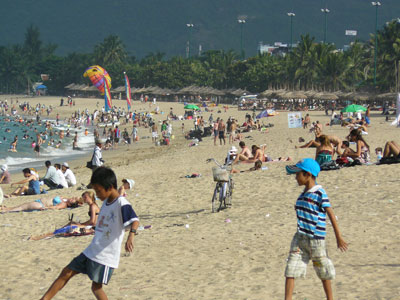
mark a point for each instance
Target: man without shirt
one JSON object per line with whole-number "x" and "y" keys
{"x": 244, "y": 155}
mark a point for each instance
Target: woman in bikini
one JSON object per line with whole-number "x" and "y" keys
{"x": 362, "y": 152}
{"x": 46, "y": 203}
{"x": 89, "y": 198}
{"x": 391, "y": 149}
{"x": 324, "y": 151}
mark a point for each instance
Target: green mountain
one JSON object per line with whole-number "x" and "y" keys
{"x": 161, "y": 25}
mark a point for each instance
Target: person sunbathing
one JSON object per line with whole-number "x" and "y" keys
{"x": 391, "y": 149}
{"x": 89, "y": 198}
{"x": 362, "y": 152}
{"x": 257, "y": 166}
{"x": 46, "y": 203}
{"x": 244, "y": 155}
{"x": 33, "y": 187}
{"x": 261, "y": 155}
{"x": 334, "y": 140}
{"x": 324, "y": 151}
{"x": 258, "y": 154}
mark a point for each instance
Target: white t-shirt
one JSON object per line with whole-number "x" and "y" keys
{"x": 70, "y": 177}
{"x": 63, "y": 182}
{"x": 105, "y": 247}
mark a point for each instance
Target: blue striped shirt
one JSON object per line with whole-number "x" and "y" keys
{"x": 311, "y": 213}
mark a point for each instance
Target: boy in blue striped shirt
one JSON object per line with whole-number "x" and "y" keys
{"x": 312, "y": 206}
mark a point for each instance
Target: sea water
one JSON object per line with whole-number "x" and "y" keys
{"x": 25, "y": 155}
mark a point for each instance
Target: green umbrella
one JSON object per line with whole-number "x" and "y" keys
{"x": 191, "y": 106}
{"x": 354, "y": 108}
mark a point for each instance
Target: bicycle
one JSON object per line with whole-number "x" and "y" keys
{"x": 223, "y": 188}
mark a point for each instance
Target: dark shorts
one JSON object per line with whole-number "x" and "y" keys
{"x": 32, "y": 192}
{"x": 221, "y": 134}
{"x": 97, "y": 272}
{"x": 37, "y": 148}
{"x": 116, "y": 140}
{"x": 215, "y": 132}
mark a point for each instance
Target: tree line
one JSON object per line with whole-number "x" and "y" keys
{"x": 309, "y": 65}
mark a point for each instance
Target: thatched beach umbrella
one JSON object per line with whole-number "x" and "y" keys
{"x": 69, "y": 86}
{"x": 310, "y": 94}
{"x": 387, "y": 96}
{"x": 361, "y": 96}
{"x": 119, "y": 89}
{"x": 294, "y": 95}
{"x": 326, "y": 96}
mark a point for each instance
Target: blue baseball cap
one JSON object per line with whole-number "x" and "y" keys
{"x": 307, "y": 164}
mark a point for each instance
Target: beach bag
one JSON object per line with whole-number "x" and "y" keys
{"x": 341, "y": 161}
{"x": 89, "y": 165}
{"x": 329, "y": 165}
{"x": 389, "y": 160}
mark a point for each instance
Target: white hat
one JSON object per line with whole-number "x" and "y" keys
{"x": 131, "y": 183}
{"x": 65, "y": 165}
{"x": 233, "y": 150}
{"x": 4, "y": 168}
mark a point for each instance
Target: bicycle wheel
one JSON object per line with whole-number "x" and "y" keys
{"x": 229, "y": 192}
{"x": 214, "y": 198}
{"x": 222, "y": 195}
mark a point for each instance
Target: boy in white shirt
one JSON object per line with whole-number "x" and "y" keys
{"x": 101, "y": 257}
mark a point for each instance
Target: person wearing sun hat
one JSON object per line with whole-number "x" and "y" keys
{"x": 5, "y": 177}
{"x": 68, "y": 174}
{"x": 127, "y": 184}
{"x": 311, "y": 207}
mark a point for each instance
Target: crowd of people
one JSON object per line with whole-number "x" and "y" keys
{"x": 56, "y": 177}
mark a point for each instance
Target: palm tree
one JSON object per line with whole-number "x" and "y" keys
{"x": 110, "y": 52}
{"x": 306, "y": 60}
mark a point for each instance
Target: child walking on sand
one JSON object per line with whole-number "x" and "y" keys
{"x": 101, "y": 257}
{"x": 312, "y": 206}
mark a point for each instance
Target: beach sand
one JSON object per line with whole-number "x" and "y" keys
{"x": 191, "y": 253}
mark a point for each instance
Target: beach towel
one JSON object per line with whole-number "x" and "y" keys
{"x": 329, "y": 165}
{"x": 389, "y": 160}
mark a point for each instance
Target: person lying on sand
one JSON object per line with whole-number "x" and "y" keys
{"x": 259, "y": 154}
{"x": 46, "y": 203}
{"x": 257, "y": 166}
{"x": 391, "y": 149}
{"x": 89, "y": 198}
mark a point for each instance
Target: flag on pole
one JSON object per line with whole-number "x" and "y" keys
{"x": 128, "y": 91}
{"x": 107, "y": 96}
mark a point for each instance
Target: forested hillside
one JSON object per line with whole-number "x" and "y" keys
{"x": 160, "y": 25}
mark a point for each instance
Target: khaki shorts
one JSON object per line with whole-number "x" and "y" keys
{"x": 304, "y": 248}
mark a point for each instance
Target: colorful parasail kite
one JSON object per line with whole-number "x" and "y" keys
{"x": 97, "y": 75}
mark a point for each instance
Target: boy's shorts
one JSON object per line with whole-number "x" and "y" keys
{"x": 97, "y": 272}
{"x": 304, "y": 248}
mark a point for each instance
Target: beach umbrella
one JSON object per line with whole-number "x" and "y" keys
{"x": 191, "y": 106}
{"x": 354, "y": 108}
{"x": 41, "y": 87}
{"x": 266, "y": 113}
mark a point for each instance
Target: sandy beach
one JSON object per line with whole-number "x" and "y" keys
{"x": 192, "y": 253}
